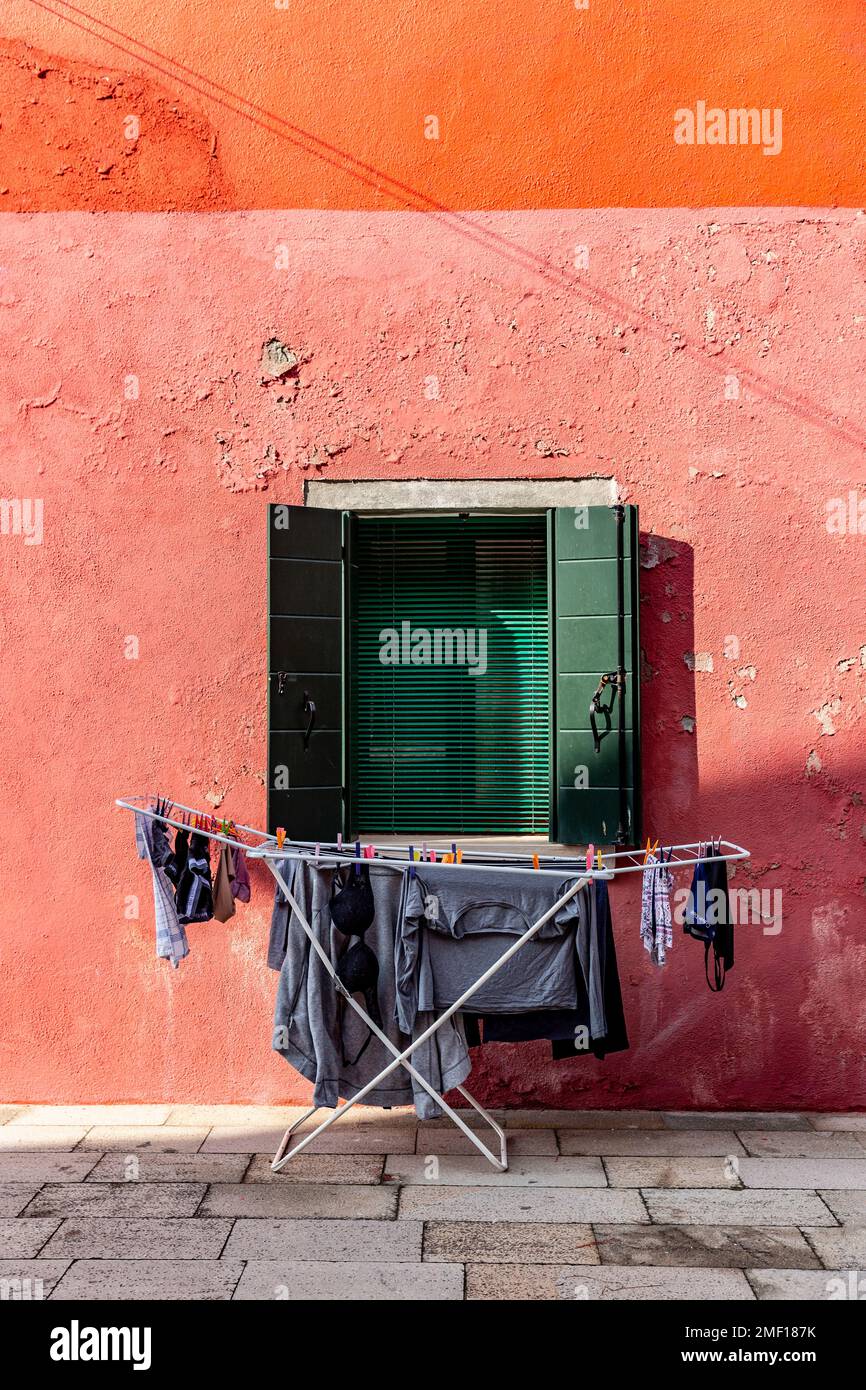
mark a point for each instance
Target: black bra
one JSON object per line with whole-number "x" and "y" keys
{"x": 353, "y": 908}
{"x": 352, "y": 912}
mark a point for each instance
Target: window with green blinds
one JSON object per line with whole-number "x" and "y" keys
{"x": 449, "y": 675}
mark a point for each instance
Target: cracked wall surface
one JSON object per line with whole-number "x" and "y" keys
{"x": 165, "y": 376}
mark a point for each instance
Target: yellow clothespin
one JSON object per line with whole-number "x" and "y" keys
{"x": 599, "y": 859}
{"x": 448, "y": 859}
{"x": 281, "y": 837}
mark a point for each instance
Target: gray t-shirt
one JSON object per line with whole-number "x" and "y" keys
{"x": 458, "y": 921}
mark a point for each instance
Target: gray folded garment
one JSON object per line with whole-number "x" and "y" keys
{"x": 457, "y": 922}
{"x": 323, "y": 1040}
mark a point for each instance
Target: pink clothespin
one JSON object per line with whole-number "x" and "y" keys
{"x": 340, "y": 841}
{"x": 432, "y": 856}
{"x": 590, "y": 857}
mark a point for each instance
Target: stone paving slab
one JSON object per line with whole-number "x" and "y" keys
{"x": 801, "y": 1144}
{"x": 608, "y": 1282}
{"x": 849, "y": 1207}
{"x": 118, "y": 1199}
{"x": 580, "y": 1119}
{"x": 46, "y": 1167}
{"x": 839, "y": 1247}
{"x": 451, "y": 1141}
{"x": 716, "y": 1247}
{"x": 734, "y": 1119}
{"x": 89, "y": 1115}
{"x": 798, "y": 1285}
{"x": 670, "y": 1172}
{"x": 187, "y": 1280}
{"x": 853, "y": 1122}
{"x": 476, "y": 1171}
{"x": 651, "y": 1143}
{"x": 15, "y": 1138}
{"x": 250, "y": 1116}
{"x": 307, "y": 1167}
{"x": 443, "y": 1203}
{"x": 362, "y": 1241}
{"x": 745, "y": 1207}
{"x": 837, "y": 1173}
{"x": 300, "y": 1199}
{"x": 39, "y": 1277}
{"x": 339, "y": 1139}
{"x": 15, "y": 1196}
{"x": 266, "y": 1279}
{"x": 157, "y": 1138}
{"x": 181, "y": 1238}
{"x": 509, "y": 1242}
{"x": 144, "y": 1166}
{"x": 24, "y": 1237}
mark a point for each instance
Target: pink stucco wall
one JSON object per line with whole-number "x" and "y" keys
{"x": 154, "y": 528}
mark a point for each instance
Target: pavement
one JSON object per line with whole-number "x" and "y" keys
{"x": 179, "y": 1202}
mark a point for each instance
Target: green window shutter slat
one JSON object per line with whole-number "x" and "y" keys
{"x": 434, "y": 749}
{"x": 305, "y": 656}
{"x": 583, "y": 576}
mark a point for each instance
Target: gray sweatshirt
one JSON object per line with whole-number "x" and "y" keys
{"x": 458, "y": 921}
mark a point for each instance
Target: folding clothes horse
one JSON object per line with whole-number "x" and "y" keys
{"x": 272, "y": 857}
{"x": 273, "y": 854}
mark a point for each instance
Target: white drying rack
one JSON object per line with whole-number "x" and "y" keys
{"x": 331, "y": 855}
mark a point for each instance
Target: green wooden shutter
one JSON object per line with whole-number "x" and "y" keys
{"x": 583, "y": 572}
{"x": 305, "y": 663}
{"x": 435, "y": 749}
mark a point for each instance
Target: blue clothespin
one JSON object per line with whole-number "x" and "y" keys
{"x": 412, "y": 861}
{"x": 358, "y": 858}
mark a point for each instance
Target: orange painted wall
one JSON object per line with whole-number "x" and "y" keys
{"x": 540, "y": 104}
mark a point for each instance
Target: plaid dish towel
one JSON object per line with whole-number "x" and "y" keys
{"x": 656, "y": 930}
{"x": 152, "y": 844}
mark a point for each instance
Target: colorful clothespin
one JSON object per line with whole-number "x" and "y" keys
{"x": 412, "y": 861}
{"x": 590, "y": 857}
{"x": 431, "y": 856}
{"x": 453, "y": 859}
{"x": 339, "y": 841}
{"x": 650, "y": 849}
{"x": 358, "y": 857}
{"x": 281, "y": 837}
{"x": 448, "y": 859}
{"x": 599, "y": 859}
{"x": 459, "y": 856}
{"x": 535, "y": 862}
{"x": 423, "y": 851}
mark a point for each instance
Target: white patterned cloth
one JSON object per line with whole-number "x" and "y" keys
{"x": 656, "y": 930}
{"x": 152, "y": 844}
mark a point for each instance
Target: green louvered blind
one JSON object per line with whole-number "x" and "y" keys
{"x": 438, "y": 744}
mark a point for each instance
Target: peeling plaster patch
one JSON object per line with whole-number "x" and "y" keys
{"x": 688, "y": 723}
{"x": 863, "y": 657}
{"x": 278, "y": 361}
{"x": 813, "y": 764}
{"x": 666, "y": 617}
{"x": 738, "y": 698}
{"x": 747, "y": 672}
{"x": 825, "y": 713}
{"x": 41, "y": 402}
{"x": 655, "y": 551}
{"x": 698, "y": 661}
{"x": 846, "y": 664}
